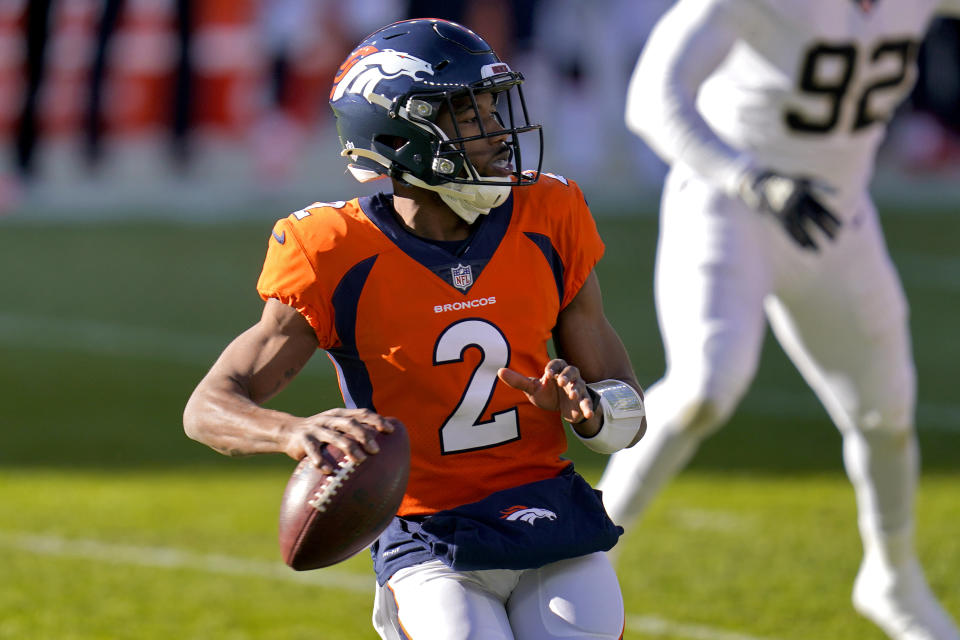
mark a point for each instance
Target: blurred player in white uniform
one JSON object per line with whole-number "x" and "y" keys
{"x": 770, "y": 113}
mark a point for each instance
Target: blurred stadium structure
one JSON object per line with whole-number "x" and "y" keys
{"x": 247, "y": 131}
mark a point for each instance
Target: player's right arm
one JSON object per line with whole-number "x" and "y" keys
{"x": 685, "y": 47}
{"x": 225, "y": 413}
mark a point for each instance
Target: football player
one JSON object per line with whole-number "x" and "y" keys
{"x": 770, "y": 114}
{"x": 435, "y": 304}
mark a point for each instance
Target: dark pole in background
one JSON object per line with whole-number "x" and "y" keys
{"x": 37, "y": 36}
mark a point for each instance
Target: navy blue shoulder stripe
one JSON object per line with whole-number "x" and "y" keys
{"x": 356, "y": 378}
{"x": 553, "y": 258}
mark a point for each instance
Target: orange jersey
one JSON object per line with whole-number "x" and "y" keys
{"x": 418, "y": 333}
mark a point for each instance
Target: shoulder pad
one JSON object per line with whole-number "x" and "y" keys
{"x": 300, "y": 214}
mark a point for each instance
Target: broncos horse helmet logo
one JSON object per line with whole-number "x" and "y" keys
{"x": 527, "y": 514}
{"x": 368, "y": 66}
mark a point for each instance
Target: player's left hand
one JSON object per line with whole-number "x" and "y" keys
{"x": 794, "y": 202}
{"x": 560, "y": 388}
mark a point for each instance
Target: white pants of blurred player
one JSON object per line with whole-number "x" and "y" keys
{"x": 572, "y": 599}
{"x": 840, "y": 314}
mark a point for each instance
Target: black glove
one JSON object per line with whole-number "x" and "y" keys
{"x": 791, "y": 201}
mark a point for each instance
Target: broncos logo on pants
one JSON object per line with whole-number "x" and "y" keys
{"x": 527, "y": 514}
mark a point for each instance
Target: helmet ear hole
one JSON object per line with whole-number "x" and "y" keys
{"x": 394, "y": 142}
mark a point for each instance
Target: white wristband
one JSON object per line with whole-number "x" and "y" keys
{"x": 623, "y": 414}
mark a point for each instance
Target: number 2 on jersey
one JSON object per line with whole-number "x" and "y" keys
{"x": 462, "y": 431}
{"x": 828, "y": 72}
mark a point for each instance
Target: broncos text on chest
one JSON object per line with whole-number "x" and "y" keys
{"x": 466, "y": 304}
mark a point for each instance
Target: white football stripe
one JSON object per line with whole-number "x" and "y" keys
{"x": 171, "y": 558}
{"x": 656, "y": 626}
{"x": 87, "y": 336}
{"x": 713, "y": 520}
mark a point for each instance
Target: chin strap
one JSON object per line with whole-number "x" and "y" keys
{"x": 469, "y": 201}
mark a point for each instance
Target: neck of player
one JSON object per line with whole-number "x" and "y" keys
{"x": 425, "y": 214}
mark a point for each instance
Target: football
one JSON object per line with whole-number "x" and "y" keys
{"x": 325, "y": 519}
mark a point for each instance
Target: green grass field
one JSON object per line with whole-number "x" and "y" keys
{"x": 114, "y": 525}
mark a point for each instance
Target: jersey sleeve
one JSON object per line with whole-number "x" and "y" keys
{"x": 579, "y": 242}
{"x": 288, "y": 275}
{"x": 688, "y": 43}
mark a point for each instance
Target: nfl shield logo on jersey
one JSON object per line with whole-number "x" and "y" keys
{"x": 462, "y": 276}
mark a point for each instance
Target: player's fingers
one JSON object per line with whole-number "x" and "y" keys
{"x": 568, "y": 373}
{"x": 353, "y": 449}
{"x": 555, "y": 368}
{"x": 828, "y": 222}
{"x": 361, "y": 430}
{"x": 363, "y": 415}
{"x": 353, "y": 431}
{"x": 575, "y": 388}
{"x": 586, "y": 407}
{"x": 812, "y": 208}
{"x": 313, "y": 448}
{"x": 360, "y": 423}
{"x": 389, "y": 424}
{"x": 517, "y": 380}
{"x": 800, "y": 235}
{"x": 570, "y": 381}
{"x": 341, "y": 411}
{"x": 370, "y": 419}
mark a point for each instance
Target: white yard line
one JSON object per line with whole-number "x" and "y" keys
{"x": 87, "y": 336}
{"x": 182, "y": 559}
{"x": 656, "y": 626}
{"x": 171, "y": 558}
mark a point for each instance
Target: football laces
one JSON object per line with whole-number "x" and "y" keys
{"x": 330, "y": 488}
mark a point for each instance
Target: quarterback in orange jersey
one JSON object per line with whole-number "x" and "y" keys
{"x": 436, "y": 304}
{"x": 396, "y": 314}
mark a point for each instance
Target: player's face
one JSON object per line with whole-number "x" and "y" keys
{"x": 490, "y": 156}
